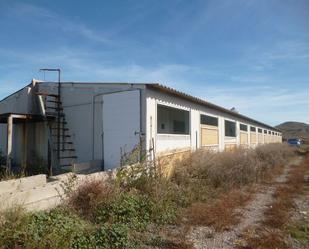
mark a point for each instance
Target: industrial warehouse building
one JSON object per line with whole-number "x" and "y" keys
{"x": 102, "y": 123}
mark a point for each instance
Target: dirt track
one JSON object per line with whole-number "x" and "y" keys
{"x": 207, "y": 238}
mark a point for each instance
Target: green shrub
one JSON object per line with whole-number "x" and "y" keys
{"x": 132, "y": 210}
{"x": 114, "y": 236}
{"x": 60, "y": 229}
{"x": 54, "y": 229}
{"x": 107, "y": 236}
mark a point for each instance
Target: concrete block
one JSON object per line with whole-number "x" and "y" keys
{"x": 44, "y": 204}
{"x": 22, "y": 184}
{"x": 88, "y": 167}
{"x": 29, "y": 196}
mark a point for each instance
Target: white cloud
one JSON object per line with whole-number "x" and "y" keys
{"x": 46, "y": 17}
{"x": 271, "y": 103}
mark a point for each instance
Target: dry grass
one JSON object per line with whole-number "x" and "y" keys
{"x": 219, "y": 214}
{"x": 233, "y": 169}
{"x": 89, "y": 195}
{"x": 174, "y": 244}
{"x": 263, "y": 239}
{"x": 277, "y": 216}
{"x": 220, "y": 183}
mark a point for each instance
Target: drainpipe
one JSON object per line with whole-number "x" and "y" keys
{"x": 9, "y": 143}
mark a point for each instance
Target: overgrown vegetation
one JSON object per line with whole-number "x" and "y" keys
{"x": 275, "y": 226}
{"x": 205, "y": 188}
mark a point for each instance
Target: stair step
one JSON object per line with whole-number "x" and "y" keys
{"x": 65, "y": 165}
{"x": 62, "y": 129}
{"x": 68, "y": 157}
{"x": 47, "y": 94}
{"x": 53, "y": 101}
{"x": 65, "y": 150}
{"x": 67, "y": 168}
{"x": 56, "y": 122}
{"x": 54, "y": 114}
{"x": 56, "y": 135}
{"x": 64, "y": 143}
{"x": 54, "y": 108}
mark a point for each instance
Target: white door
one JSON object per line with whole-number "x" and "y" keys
{"x": 121, "y": 125}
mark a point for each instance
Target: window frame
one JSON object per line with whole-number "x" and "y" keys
{"x": 210, "y": 116}
{"x": 230, "y": 121}
{"x": 240, "y": 125}
{"x": 173, "y": 108}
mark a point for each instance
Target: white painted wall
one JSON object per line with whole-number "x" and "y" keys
{"x": 121, "y": 126}
{"x": 168, "y": 142}
{"x": 78, "y": 99}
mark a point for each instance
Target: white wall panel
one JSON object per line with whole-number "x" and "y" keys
{"x": 121, "y": 125}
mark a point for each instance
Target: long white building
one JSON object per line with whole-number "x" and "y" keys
{"x": 101, "y": 123}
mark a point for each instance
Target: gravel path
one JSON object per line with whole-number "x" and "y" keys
{"x": 207, "y": 238}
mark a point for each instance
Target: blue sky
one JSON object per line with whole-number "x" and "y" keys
{"x": 249, "y": 54}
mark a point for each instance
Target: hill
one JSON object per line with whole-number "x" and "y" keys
{"x": 294, "y": 130}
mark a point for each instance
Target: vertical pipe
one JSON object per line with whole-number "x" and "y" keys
{"x": 93, "y": 126}
{"x": 25, "y": 143}
{"x": 141, "y": 146}
{"x": 58, "y": 118}
{"x": 196, "y": 142}
{"x": 9, "y": 143}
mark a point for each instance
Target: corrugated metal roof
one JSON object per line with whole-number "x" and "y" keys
{"x": 191, "y": 98}
{"x": 177, "y": 93}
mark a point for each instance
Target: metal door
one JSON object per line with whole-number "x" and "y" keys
{"x": 121, "y": 125}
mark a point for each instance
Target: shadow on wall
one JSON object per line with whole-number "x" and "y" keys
{"x": 35, "y": 165}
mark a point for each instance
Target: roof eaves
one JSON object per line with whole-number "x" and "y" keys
{"x": 177, "y": 93}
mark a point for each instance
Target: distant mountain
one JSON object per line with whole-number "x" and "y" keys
{"x": 294, "y": 130}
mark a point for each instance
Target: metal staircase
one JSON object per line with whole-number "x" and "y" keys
{"x": 61, "y": 142}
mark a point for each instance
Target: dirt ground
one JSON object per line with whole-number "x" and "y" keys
{"x": 252, "y": 215}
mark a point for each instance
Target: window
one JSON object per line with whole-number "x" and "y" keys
{"x": 269, "y": 132}
{"x": 209, "y": 120}
{"x": 172, "y": 120}
{"x": 252, "y": 128}
{"x": 243, "y": 127}
{"x": 230, "y": 128}
{"x": 273, "y": 133}
{"x": 260, "y": 130}
{"x": 265, "y": 131}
